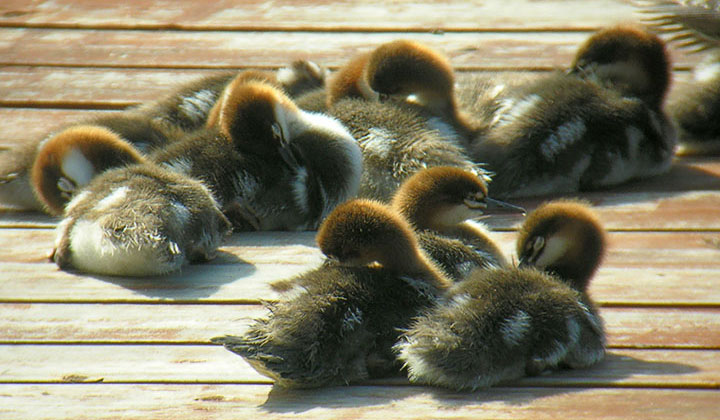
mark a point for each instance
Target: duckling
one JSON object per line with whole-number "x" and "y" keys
{"x": 269, "y": 164}
{"x": 69, "y": 160}
{"x": 397, "y": 138}
{"x": 564, "y": 238}
{"x": 569, "y": 132}
{"x": 697, "y": 109}
{"x": 340, "y": 327}
{"x": 443, "y": 200}
{"x": 500, "y": 324}
{"x": 410, "y": 71}
{"x": 139, "y": 220}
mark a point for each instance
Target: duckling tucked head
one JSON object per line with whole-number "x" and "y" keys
{"x": 564, "y": 237}
{"x": 350, "y": 82}
{"x": 363, "y": 232}
{"x": 441, "y": 197}
{"x": 403, "y": 68}
{"x": 70, "y": 159}
{"x": 629, "y": 59}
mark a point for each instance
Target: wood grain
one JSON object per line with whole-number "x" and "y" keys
{"x": 375, "y": 15}
{"x": 147, "y": 402}
{"x": 38, "y": 323}
{"x": 196, "y": 50}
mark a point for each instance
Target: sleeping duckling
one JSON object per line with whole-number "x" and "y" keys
{"x": 397, "y": 138}
{"x": 270, "y": 165}
{"x": 500, "y": 324}
{"x": 444, "y": 200}
{"x": 341, "y": 324}
{"x": 587, "y": 129}
{"x": 69, "y": 160}
{"x": 139, "y": 220}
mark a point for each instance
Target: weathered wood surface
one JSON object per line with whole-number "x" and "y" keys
{"x": 376, "y": 15}
{"x": 213, "y": 364}
{"x": 159, "y": 401}
{"x": 147, "y": 339}
{"x": 195, "y": 50}
{"x": 38, "y": 323}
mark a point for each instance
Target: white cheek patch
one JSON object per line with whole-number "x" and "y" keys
{"x": 77, "y": 167}
{"x": 457, "y": 214}
{"x": 555, "y": 248}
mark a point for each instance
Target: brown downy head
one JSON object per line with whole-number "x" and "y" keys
{"x": 363, "y": 232}
{"x": 627, "y": 58}
{"x": 563, "y": 237}
{"x": 441, "y": 197}
{"x": 256, "y": 117}
{"x": 403, "y": 68}
{"x": 350, "y": 82}
{"x": 69, "y": 160}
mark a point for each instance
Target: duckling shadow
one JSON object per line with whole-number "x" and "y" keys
{"x": 615, "y": 370}
{"x": 682, "y": 178}
{"x": 195, "y": 281}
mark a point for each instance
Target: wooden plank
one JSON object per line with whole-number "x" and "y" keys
{"x": 625, "y": 249}
{"x": 375, "y": 15}
{"x": 27, "y": 323}
{"x": 214, "y": 364}
{"x": 245, "y": 283}
{"x": 194, "y": 50}
{"x": 148, "y": 402}
{"x": 113, "y": 88}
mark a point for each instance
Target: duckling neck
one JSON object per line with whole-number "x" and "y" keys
{"x": 421, "y": 267}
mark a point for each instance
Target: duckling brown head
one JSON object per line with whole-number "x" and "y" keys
{"x": 363, "y": 232}
{"x": 629, "y": 59}
{"x": 69, "y": 160}
{"x": 403, "y": 68}
{"x": 564, "y": 237}
{"x": 441, "y": 197}
{"x": 256, "y": 116}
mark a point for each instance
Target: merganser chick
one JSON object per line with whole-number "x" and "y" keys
{"x": 697, "y": 109}
{"x": 444, "y": 200}
{"x": 69, "y": 160}
{"x": 270, "y": 165}
{"x": 340, "y": 326}
{"x": 139, "y": 220}
{"x": 397, "y": 138}
{"x": 564, "y": 133}
{"x": 628, "y": 59}
{"x": 564, "y": 238}
{"x": 503, "y": 323}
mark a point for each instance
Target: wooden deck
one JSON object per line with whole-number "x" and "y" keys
{"x": 78, "y": 346}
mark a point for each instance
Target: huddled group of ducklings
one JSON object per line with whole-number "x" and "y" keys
{"x": 415, "y": 286}
{"x": 149, "y": 189}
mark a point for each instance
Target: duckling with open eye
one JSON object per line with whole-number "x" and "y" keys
{"x": 500, "y": 324}
{"x": 139, "y": 220}
{"x": 270, "y": 165}
{"x": 444, "y": 200}
{"x": 341, "y": 324}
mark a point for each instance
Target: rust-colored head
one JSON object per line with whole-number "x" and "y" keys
{"x": 350, "y": 82}
{"x": 403, "y": 68}
{"x": 69, "y": 160}
{"x": 564, "y": 237}
{"x": 441, "y": 197}
{"x": 629, "y": 58}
